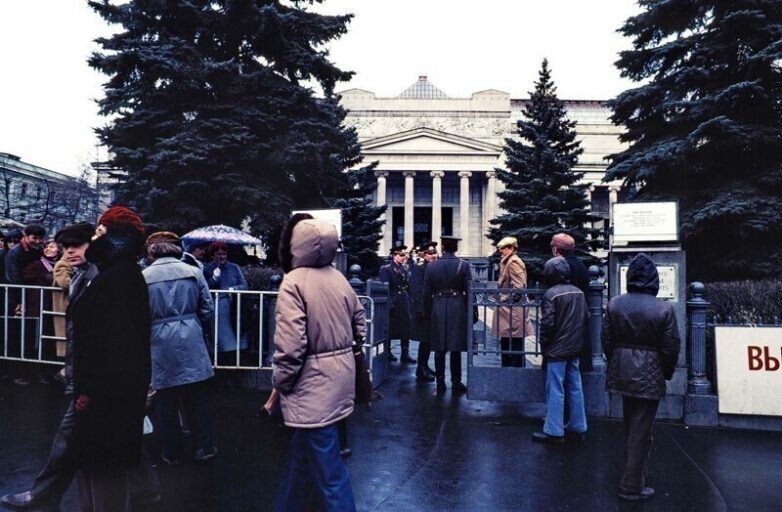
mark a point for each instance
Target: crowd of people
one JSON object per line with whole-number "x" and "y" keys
{"x": 136, "y": 335}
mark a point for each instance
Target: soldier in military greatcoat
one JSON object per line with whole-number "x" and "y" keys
{"x": 420, "y": 320}
{"x": 395, "y": 274}
{"x": 446, "y": 282}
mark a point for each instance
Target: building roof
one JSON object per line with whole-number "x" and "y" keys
{"x": 422, "y": 89}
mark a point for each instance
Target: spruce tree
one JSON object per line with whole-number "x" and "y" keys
{"x": 705, "y": 128}
{"x": 361, "y": 223}
{"x": 541, "y": 197}
{"x": 213, "y": 115}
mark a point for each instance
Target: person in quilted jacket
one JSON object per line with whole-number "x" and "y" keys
{"x": 641, "y": 342}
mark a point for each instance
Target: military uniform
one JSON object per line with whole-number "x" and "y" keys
{"x": 446, "y": 282}
{"x": 421, "y": 321}
{"x": 399, "y": 304}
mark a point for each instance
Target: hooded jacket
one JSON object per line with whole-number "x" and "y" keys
{"x": 317, "y": 315}
{"x": 563, "y": 313}
{"x": 640, "y": 335}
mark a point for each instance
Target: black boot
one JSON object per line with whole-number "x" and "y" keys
{"x": 406, "y": 352}
{"x": 441, "y": 386}
{"x": 422, "y": 375}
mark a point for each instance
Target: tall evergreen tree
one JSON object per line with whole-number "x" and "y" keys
{"x": 705, "y": 128}
{"x": 361, "y": 223}
{"x": 541, "y": 197}
{"x": 210, "y": 118}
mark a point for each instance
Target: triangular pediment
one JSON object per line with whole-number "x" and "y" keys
{"x": 428, "y": 140}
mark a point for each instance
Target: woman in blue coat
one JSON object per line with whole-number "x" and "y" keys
{"x": 181, "y": 308}
{"x": 221, "y": 274}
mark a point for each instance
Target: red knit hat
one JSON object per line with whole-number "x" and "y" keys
{"x": 123, "y": 218}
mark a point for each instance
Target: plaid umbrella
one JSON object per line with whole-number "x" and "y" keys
{"x": 220, "y": 233}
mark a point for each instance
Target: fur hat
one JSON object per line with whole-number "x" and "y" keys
{"x": 163, "y": 237}
{"x": 563, "y": 241}
{"x": 122, "y": 217}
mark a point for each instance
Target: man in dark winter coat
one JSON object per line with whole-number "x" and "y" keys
{"x": 420, "y": 320}
{"x": 111, "y": 363}
{"x": 641, "y": 342}
{"x": 564, "y": 245}
{"x": 446, "y": 283}
{"x": 562, "y": 324}
{"x": 395, "y": 274}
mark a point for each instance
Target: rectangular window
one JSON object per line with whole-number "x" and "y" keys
{"x": 23, "y": 191}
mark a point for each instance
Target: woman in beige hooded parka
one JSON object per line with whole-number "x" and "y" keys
{"x": 318, "y": 316}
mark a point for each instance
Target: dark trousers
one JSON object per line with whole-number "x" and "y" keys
{"x": 314, "y": 466}
{"x": 514, "y": 345}
{"x": 195, "y": 401}
{"x": 638, "y": 419}
{"x": 104, "y": 491}
{"x": 456, "y": 366}
{"x": 53, "y": 481}
{"x": 424, "y": 349}
{"x": 405, "y": 345}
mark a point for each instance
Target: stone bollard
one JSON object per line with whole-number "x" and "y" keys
{"x": 697, "y": 309}
{"x": 355, "y": 281}
{"x": 595, "y": 308}
{"x": 275, "y": 281}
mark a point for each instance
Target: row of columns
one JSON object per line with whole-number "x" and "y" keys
{"x": 464, "y": 206}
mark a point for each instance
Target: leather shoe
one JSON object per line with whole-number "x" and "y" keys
{"x": 440, "y": 387}
{"x": 422, "y": 376}
{"x": 392, "y": 357}
{"x": 542, "y": 437}
{"x": 645, "y": 494}
{"x": 458, "y": 387}
{"x": 406, "y": 359}
{"x": 26, "y": 501}
{"x": 202, "y": 455}
{"x": 428, "y": 371}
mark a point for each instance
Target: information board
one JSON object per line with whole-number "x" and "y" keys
{"x": 667, "y": 281}
{"x": 749, "y": 370}
{"x": 330, "y": 215}
{"x": 645, "y": 222}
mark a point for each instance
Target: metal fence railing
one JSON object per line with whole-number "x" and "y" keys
{"x": 241, "y": 336}
{"x": 508, "y": 326}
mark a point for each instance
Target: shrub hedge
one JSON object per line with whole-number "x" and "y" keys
{"x": 745, "y": 302}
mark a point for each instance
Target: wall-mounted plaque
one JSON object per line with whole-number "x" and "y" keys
{"x": 667, "y": 275}
{"x": 645, "y": 222}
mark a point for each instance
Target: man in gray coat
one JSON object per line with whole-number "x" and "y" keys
{"x": 446, "y": 283}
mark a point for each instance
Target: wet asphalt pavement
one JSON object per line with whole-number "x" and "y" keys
{"x": 415, "y": 451}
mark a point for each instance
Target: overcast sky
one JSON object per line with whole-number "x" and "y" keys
{"x": 47, "y": 112}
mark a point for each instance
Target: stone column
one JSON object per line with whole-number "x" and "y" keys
{"x": 409, "y": 205}
{"x": 464, "y": 212}
{"x": 437, "y": 205}
{"x": 491, "y": 209}
{"x": 613, "y": 194}
{"x": 380, "y": 193}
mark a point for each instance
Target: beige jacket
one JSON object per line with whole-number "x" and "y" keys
{"x": 512, "y": 322}
{"x": 62, "y": 279}
{"x": 314, "y": 366}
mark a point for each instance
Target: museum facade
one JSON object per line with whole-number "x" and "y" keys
{"x": 437, "y": 157}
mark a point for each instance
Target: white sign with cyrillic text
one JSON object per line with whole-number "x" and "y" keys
{"x": 667, "y": 275}
{"x": 645, "y": 222}
{"x": 749, "y": 370}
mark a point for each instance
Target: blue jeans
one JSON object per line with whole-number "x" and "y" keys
{"x": 315, "y": 466}
{"x": 561, "y": 377}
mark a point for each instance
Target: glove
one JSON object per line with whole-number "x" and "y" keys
{"x": 81, "y": 403}
{"x": 216, "y": 273}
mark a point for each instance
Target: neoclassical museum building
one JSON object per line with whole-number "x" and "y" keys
{"x": 437, "y": 157}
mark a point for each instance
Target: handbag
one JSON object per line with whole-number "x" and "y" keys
{"x": 365, "y": 393}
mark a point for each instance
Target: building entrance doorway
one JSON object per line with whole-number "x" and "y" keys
{"x": 422, "y": 224}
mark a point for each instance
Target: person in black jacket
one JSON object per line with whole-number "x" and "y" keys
{"x": 641, "y": 341}
{"x": 562, "y": 325}
{"x": 564, "y": 245}
{"x": 111, "y": 363}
